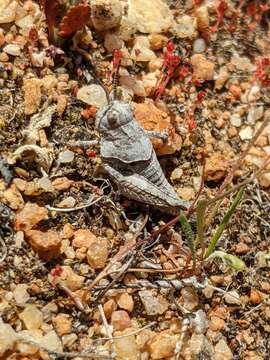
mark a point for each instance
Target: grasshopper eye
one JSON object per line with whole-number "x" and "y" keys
{"x": 112, "y": 118}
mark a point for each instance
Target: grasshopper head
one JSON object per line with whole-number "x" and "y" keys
{"x": 113, "y": 116}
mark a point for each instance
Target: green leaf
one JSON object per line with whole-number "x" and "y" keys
{"x": 231, "y": 260}
{"x": 224, "y": 223}
{"x": 201, "y": 207}
{"x": 185, "y": 225}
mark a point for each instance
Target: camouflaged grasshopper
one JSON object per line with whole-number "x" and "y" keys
{"x": 130, "y": 159}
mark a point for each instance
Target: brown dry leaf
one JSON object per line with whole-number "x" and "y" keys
{"x": 33, "y": 154}
{"x": 76, "y": 18}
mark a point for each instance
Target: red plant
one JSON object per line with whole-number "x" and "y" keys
{"x": 255, "y": 11}
{"x": 75, "y": 19}
{"x": 262, "y": 72}
{"x": 117, "y": 56}
{"x": 56, "y": 272}
{"x": 221, "y": 9}
{"x": 52, "y": 12}
{"x": 170, "y": 63}
{"x": 192, "y": 125}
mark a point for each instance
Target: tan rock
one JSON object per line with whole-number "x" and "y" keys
{"x": 153, "y": 119}
{"x": 216, "y": 323}
{"x": 222, "y": 351}
{"x": 32, "y": 317}
{"x": 157, "y": 41}
{"x": 7, "y": 11}
{"x": 29, "y": 349}
{"x": 109, "y": 307}
{"x": 126, "y": 347}
{"x": 120, "y": 320}
{"x": 62, "y": 324}
{"x": 46, "y": 244}
{"x": 30, "y": 216}
{"x": 70, "y": 279}
{"x": 203, "y": 69}
{"x": 125, "y": 301}
{"x": 13, "y": 198}
{"x": 8, "y": 338}
{"x": 61, "y": 104}
{"x": 216, "y": 167}
{"x": 185, "y": 27}
{"x": 141, "y": 50}
{"x": 186, "y": 193}
{"x": 62, "y": 183}
{"x": 162, "y": 345}
{"x": 52, "y": 342}
{"x": 83, "y": 238}
{"x": 97, "y": 253}
{"x": 106, "y": 14}
{"x": 32, "y": 95}
{"x": 148, "y": 18}
{"x": 12, "y": 49}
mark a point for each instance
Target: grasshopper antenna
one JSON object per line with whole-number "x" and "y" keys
{"x": 117, "y": 56}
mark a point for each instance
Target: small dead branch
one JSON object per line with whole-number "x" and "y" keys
{"x": 90, "y": 203}
{"x": 107, "y": 328}
{"x": 74, "y": 297}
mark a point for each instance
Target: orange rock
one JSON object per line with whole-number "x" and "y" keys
{"x": 97, "y": 253}
{"x": 61, "y": 104}
{"x": 62, "y": 324}
{"x": 32, "y": 95}
{"x": 153, "y": 119}
{"x": 216, "y": 167}
{"x": 13, "y": 198}
{"x": 120, "y": 320}
{"x": 62, "y": 183}
{"x": 255, "y": 297}
{"x": 83, "y": 238}
{"x": 29, "y": 216}
{"x": 202, "y": 68}
{"x": 109, "y": 307}
{"x": 46, "y": 244}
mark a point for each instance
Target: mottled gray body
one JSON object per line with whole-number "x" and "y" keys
{"x": 130, "y": 160}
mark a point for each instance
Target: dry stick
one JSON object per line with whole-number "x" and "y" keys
{"x": 74, "y": 297}
{"x": 107, "y": 328}
{"x": 90, "y": 203}
{"x": 236, "y": 166}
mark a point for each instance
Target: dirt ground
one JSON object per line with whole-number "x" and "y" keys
{"x": 86, "y": 272}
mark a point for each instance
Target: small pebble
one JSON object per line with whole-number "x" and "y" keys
{"x": 199, "y": 46}
{"x": 120, "y": 320}
{"x": 92, "y": 95}
{"x": 12, "y": 49}
{"x": 246, "y": 133}
{"x": 66, "y": 157}
{"x": 236, "y": 120}
{"x": 32, "y": 317}
{"x": 232, "y": 298}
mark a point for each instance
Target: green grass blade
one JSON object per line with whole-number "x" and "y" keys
{"x": 185, "y": 225}
{"x": 224, "y": 223}
{"x": 200, "y": 212}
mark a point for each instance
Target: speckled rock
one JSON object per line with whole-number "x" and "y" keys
{"x": 106, "y": 14}
{"x": 148, "y": 17}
